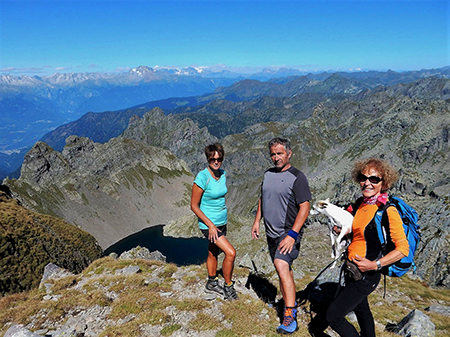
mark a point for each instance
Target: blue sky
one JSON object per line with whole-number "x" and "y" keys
{"x": 43, "y": 37}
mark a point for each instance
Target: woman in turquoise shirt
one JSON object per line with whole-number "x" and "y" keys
{"x": 208, "y": 203}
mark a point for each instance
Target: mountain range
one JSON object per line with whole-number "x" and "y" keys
{"x": 31, "y": 106}
{"x": 117, "y": 173}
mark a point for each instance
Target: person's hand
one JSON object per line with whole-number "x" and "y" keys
{"x": 255, "y": 230}
{"x": 364, "y": 264}
{"x": 213, "y": 234}
{"x": 286, "y": 245}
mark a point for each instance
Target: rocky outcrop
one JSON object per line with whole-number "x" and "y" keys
{"x": 111, "y": 190}
{"x": 183, "y": 138}
{"x": 415, "y": 324}
{"x": 142, "y": 253}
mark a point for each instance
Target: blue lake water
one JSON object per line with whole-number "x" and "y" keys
{"x": 177, "y": 250}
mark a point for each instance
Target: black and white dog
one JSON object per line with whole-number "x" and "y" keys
{"x": 337, "y": 217}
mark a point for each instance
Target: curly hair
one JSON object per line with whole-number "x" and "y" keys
{"x": 386, "y": 171}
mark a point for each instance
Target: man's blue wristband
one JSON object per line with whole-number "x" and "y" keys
{"x": 293, "y": 234}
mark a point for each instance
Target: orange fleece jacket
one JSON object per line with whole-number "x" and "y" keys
{"x": 363, "y": 217}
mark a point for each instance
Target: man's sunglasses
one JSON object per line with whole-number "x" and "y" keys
{"x": 373, "y": 179}
{"x": 212, "y": 160}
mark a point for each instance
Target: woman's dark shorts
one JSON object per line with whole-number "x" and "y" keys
{"x": 275, "y": 253}
{"x": 222, "y": 231}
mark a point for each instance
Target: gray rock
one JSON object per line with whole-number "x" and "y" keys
{"x": 127, "y": 319}
{"x": 258, "y": 263}
{"x": 52, "y": 271}
{"x": 142, "y": 253}
{"x": 66, "y": 332}
{"x": 439, "y": 309}
{"x": 76, "y": 324}
{"x": 128, "y": 270}
{"x": 415, "y": 324}
{"x": 19, "y": 331}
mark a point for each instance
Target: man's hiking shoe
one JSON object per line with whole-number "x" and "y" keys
{"x": 289, "y": 324}
{"x": 230, "y": 292}
{"x": 212, "y": 286}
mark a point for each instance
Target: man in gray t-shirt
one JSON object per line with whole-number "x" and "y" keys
{"x": 284, "y": 205}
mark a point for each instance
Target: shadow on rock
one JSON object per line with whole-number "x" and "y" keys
{"x": 265, "y": 290}
{"x": 319, "y": 294}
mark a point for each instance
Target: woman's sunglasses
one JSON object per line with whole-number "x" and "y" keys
{"x": 212, "y": 160}
{"x": 373, "y": 179}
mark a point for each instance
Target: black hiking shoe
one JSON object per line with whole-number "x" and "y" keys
{"x": 230, "y": 292}
{"x": 212, "y": 286}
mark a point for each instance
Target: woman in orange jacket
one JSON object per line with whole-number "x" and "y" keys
{"x": 375, "y": 177}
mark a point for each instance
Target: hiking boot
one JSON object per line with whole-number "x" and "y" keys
{"x": 289, "y": 324}
{"x": 230, "y": 292}
{"x": 212, "y": 286}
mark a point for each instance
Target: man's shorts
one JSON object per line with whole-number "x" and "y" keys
{"x": 222, "y": 231}
{"x": 274, "y": 252}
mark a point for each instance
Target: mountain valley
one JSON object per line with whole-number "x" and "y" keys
{"x": 142, "y": 176}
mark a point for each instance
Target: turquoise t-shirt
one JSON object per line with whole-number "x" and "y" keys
{"x": 212, "y": 203}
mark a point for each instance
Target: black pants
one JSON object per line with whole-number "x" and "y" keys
{"x": 353, "y": 297}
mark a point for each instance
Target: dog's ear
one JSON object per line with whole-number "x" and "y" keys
{"x": 328, "y": 200}
{"x": 322, "y": 204}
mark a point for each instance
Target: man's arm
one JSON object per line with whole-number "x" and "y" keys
{"x": 288, "y": 242}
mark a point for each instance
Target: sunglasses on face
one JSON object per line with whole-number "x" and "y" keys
{"x": 212, "y": 160}
{"x": 373, "y": 179}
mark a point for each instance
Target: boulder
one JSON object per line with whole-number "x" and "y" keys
{"x": 439, "y": 309}
{"x": 415, "y": 324}
{"x": 17, "y": 330}
{"x": 142, "y": 253}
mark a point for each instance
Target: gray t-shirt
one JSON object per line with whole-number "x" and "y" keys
{"x": 281, "y": 194}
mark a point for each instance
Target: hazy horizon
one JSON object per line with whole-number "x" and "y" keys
{"x": 41, "y": 37}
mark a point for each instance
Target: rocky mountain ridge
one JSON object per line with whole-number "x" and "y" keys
{"x": 32, "y": 106}
{"x": 411, "y": 132}
{"x": 110, "y": 190}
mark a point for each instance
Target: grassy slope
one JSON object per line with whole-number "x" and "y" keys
{"x": 29, "y": 241}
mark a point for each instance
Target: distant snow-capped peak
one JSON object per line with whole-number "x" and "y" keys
{"x": 141, "y": 71}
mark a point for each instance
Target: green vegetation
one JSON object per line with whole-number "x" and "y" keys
{"x": 169, "y": 329}
{"x": 29, "y": 241}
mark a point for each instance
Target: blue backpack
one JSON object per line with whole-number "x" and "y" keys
{"x": 412, "y": 231}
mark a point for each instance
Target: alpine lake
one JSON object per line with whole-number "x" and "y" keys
{"x": 180, "y": 251}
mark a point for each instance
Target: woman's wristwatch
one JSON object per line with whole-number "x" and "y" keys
{"x": 378, "y": 264}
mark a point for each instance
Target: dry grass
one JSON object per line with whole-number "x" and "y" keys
{"x": 257, "y": 318}
{"x": 244, "y": 317}
{"x": 192, "y": 304}
{"x": 204, "y": 322}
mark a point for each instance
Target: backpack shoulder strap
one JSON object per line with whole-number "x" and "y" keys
{"x": 356, "y": 205}
{"x": 382, "y": 223}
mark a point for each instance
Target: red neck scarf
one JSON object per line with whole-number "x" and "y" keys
{"x": 381, "y": 198}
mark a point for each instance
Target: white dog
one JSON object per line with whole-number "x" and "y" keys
{"x": 338, "y": 217}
